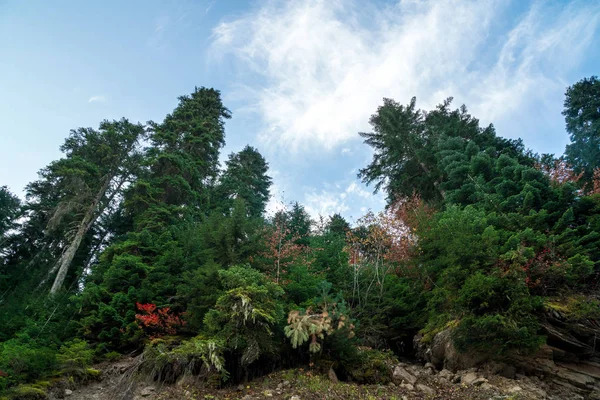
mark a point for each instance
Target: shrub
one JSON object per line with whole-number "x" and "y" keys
{"x": 372, "y": 367}
{"x": 23, "y": 361}
{"x": 166, "y": 362}
{"x": 496, "y": 334}
{"x": 74, "y": 358}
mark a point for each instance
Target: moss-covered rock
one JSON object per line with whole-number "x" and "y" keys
{"x": 375, "y": 366}
{"x": 27, "y": 392}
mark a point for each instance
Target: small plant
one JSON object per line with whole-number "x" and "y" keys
{"x": 313, "y": 325}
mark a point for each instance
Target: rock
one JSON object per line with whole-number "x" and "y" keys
{"x": 286, "y": 384}
{"x": 240, "y": 388}
{"x": 575, "y": 378}
{"x": 595, "y": 395}
{"x": 391, "y": 384}
{"x": 401, "y": 375}
{"x": 332, "y": 376}
{"x": 268, "y": 393}
{"x": 68, "y": 392}
{"x": 515, "y": 389}
{"x": 487, "y": 386}
{"x": 407, "y": 386}
{"x": 295, "y": 398}
{"x": 430, "y": 366}
{"x": 468, "y": 378}
{"x": 187, "y": 393}
{"x": 541, "y": 394}
{"x": 442, "y": 353}
{"x": 479, "y": 381}
{"x": 147, "y": 391}
{"x": 426, "y": 389}
{"x": 446, "y": 374}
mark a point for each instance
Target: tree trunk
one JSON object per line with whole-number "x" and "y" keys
{"x": 88, "y": 219}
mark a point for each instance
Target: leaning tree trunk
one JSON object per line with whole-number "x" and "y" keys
{"x": 66, "y": 258}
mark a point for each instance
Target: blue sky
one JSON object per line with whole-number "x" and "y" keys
{"x": 301, "y": 77}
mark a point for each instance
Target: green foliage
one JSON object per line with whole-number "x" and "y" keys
{"x": 582, "y": 117}
{"x": 167, "y": 362}
{"x": 496, "y": 334}
{"x": 328, "y": 317}
{"x": 244, "y": 315}
{"x": 23, "y": 360}
{"x": 371, "y": 366}
{"x": 480, "y": 236}
{"x": 27, "y": 392}
{"x": 74, "y": 358}
{"x": 245, "y": 178}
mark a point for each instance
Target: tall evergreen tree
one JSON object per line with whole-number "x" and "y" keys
{"x": 408, "y": 143}
{"x": 168, "y": 206}
{"x": 96, "y": 166}
{"x": 183, "y": 161}
{"x": 9, "y": 211}
{"x": 582, "y": 117}
{"x": 246, "y": 178}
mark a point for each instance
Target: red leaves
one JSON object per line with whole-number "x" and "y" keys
{"x": 388, "y": 236}
{"x": 158, "y": 322}
{"x": 282, "y": 249}
{"x": 3, "y": 374}
{"x": 594, "y": 187}
{"x": 560, "y": 173}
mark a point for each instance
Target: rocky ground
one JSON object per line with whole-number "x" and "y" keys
{"x": 410, "y": 381}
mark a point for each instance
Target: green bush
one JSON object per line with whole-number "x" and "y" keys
{"x": 496, "y": 334}
{"x": 23, "y": 361}
{"x": 372, "y": 367}
{"x": 74, "y": 358}
{"x": 167, "y": 362}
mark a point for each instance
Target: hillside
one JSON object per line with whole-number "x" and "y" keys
{"x": 139, "y": 246}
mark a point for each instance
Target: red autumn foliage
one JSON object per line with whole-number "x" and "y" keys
{"x": 157, "y": 322}
{"x": 282, "y": 250}
{"x": 3, "y": 374}
{"x": 594, "y": 185}
{"x": 560, "y": 173}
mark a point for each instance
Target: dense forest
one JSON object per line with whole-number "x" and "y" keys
{"x": 139, "y": 242}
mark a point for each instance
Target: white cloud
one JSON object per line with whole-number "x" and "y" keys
{"x": 341, "y": 201}
{"x": 356, "y": 189}
{"x": 97, "y": 99}
{"x": 324, "y": 203}
{"x": 324, "y": 66}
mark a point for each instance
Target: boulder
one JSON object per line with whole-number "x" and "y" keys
{"x": 479, "y": 381}
{"x": 442, "y": 353}
{"x": 147, "y": 391}
{"x": 446, "y": 374}
{"x": 468, "y": 378}
{"x": 515, "y": 389}
{"x": 426, "y": 389}
{"x": 332, "y": 376}
{"x": 401, "y": 375}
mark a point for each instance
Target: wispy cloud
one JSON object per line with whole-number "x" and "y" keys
{"x": 97, "y": 99}
{"x": 324, "y": 66}
{"x": 343, "y": 201}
